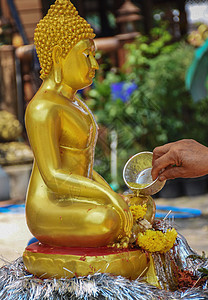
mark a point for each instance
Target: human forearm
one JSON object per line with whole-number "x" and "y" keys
{"x": 184, "y": 158}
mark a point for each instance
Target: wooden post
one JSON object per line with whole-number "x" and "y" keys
{"x": 147, "y": 8}
{"x": 79, "y": 4}
{"x": 46, "y": 5}
{"x": 183, "y": 18}
{"x": 103, "y": 8}
{"x": 8, "y": 88}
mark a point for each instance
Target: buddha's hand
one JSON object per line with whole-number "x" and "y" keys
{"x": 125, "y": 214}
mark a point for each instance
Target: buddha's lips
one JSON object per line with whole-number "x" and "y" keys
{"x": 92, "y": 74}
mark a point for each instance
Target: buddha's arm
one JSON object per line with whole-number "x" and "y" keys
{"x": 98, "y": 178}
{"x": 44, "y": 129}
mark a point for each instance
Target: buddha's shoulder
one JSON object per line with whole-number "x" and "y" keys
{"x": 47, "y": 102}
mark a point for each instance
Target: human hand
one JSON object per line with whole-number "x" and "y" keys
{"x": 184, "y": 158}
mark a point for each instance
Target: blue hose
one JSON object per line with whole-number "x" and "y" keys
{"x": 13, "y": 209}
{"x": 177, "y": 212}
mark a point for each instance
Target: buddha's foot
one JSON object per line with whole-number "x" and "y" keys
{"x": 63, "y": 262}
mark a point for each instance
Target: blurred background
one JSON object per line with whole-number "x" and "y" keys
{"x": 151, "y": 88}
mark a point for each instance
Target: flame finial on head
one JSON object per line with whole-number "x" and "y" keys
{"x": 61, "y": 26}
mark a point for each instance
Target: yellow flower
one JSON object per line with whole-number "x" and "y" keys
{"x": 157, "y": 241}
{"x": 138, "y": 211}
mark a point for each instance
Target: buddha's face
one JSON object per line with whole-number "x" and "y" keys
{"x": 78, "y": 68}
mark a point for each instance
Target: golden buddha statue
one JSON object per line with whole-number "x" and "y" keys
{"x": 69, "y": 204}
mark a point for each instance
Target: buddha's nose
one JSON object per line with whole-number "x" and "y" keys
{"x": 94, "y": 63}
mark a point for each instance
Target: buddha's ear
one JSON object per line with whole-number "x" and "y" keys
{"x": 57, "y": 56}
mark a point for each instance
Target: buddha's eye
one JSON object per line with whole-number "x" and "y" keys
{"x": 86, "y": 54}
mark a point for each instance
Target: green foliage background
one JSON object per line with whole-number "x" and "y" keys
{"x": 161, "y": 110}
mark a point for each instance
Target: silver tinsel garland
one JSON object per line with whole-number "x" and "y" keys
{"x": 17, "y": 284}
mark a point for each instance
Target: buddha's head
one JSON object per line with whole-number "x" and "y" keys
{"x": 64, "y": 41}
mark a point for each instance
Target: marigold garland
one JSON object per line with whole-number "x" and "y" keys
{"x": 157, "y": 241}
{"x": 138, "y": 211}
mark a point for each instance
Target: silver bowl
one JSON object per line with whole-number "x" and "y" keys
{"x": 137, "y": 174}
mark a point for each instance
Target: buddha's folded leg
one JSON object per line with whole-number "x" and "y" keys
{"x": 78, "y": 224}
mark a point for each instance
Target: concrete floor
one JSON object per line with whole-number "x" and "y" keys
{"x": 14, "y": 234}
